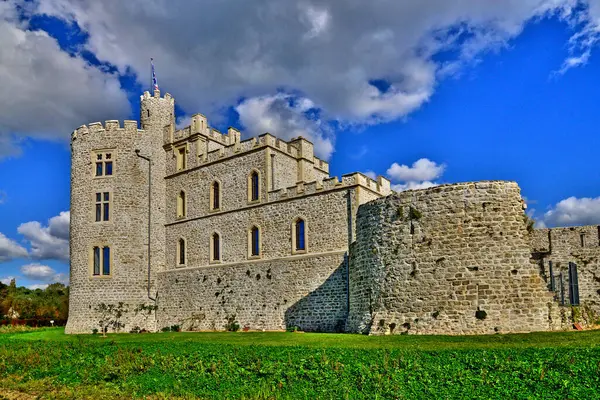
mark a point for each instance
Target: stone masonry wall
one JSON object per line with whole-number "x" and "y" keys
{"x": 580, "y": 245}
{"x": 308, "y": 291}
{"x": 453, "y": 259}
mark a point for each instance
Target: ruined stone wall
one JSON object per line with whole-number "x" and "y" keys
{"x": 453, "y": 259}
{"x": 579, "y": 245}
{"x": 308, "y": 291}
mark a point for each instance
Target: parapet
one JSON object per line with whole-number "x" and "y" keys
{"x": 129, "y": 127}
{"x": 167, "y": 97}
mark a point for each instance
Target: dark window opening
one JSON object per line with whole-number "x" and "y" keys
{"x": 573, "y": 285}
{"x": 300, "y": 232}
{"x": 106, "y": 260}
{"x": 255, "y": 241}
{"x": 181, "y": 251}
{"x": 582, "y": 239}
{"x": 99, "y": 169}
{"x": 216, "y": 199}
{"x": 108, "y": 166}
{"x": 216, "y": 247}
{"x": 102, "y": 206}
{"x": 96, "y": 261}
{"x": 254, "y": 188}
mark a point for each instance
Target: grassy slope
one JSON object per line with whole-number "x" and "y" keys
{"x": 296, "y": 365}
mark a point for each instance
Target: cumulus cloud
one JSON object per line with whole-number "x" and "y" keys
{"x": 327, "y": 53}
{"x": 6, "y": 280}
{"x": 400, "y": 187}
{"x": 48, "y": 242}
{"x": 9, "y": 249}
{"x": 573, "y": 211}
{"x": 421, "y": 170}
{"x": 51, "y": 92}
{"x": 44, "y": 273}
{"x": 38, "y": 286}
{"x": 287, "y": 117}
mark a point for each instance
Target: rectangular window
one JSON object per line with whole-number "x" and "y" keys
{"x": 104, "y": 164}
{"x": 582, "y": 239}
{"x": 106, "y": 260}
{"x": 573, "y": 285}
{"x": 300, "y": 235}
{"x": 96, "y": 261}
{"x": 102, "y": 206}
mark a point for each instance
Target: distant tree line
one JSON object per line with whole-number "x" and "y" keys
{"x": 35, "y": 307}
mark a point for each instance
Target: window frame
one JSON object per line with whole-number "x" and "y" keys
{"x": 103, "y": 203}
{"x": 103, "y": 157}
{"x": 294, "y": 237}
{"x": 181, "y": 206}
{"x": 179, "y": 253}
{"x": 250, "y": 187}
{"x": 211, "y": 243}
{"x": 212, "y": 196}
{"x": 102, "y": 247}
{"x": 181, "y": 155}
{"x": 251, "y": 244}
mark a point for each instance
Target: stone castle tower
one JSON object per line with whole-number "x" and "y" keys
{"x": 110, "y": 216}
{"x": 197, "y": 228}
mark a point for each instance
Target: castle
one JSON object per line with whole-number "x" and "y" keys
{"x": 200, "y": 229}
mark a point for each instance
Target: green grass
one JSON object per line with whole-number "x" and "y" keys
{"x": 301, "y": 365}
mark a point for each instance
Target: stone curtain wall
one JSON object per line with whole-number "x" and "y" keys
{"x": 564, "y": 245}
{"x": 307, "y": 291}
{"x": 453, "y": 259}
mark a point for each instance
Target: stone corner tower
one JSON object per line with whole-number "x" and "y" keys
{"x": 117, "y": 218}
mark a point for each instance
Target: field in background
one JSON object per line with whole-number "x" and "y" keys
{"x": 300, "y": 365}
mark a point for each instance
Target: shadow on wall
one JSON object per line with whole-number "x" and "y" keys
{"x": 324, "y": 309}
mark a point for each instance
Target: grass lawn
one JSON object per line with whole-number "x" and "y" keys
{"x": 46, "y": 362}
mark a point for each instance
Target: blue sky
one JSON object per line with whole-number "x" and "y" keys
{"x": 499, "y": 93}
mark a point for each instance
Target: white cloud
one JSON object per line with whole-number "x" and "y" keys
{"x": 287, "y": 117}
{"x": 400, "y": 187}
{"x": 9, "y": 249}
{"x": 48, "y": 242}
{"x": 6, "y": 280}
{"x": 44, "y": 273}
{"x": 574, "y": 211}
{"x": 371, "y": 174}
{"x": 38, "y": 286}
{"x": 328, "y": 52}
{"x": 51, "y": 92}
{"x": 421, "y": 170}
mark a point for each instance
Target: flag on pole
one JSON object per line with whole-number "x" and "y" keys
{"x": 154, "y": 82}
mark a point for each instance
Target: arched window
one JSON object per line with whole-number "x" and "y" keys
{"x": 254, "y": 188}
{"x": 181, "y": 206}
{"x": 254, "y": 241}
{"x": 181, "y": 252}
{"x": 216, "y": 247}
{"x": 216, "y": 196}
{"x": 300, "y": 235}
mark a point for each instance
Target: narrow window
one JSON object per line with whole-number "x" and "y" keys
{"x": 573, "y": 285}
{"x": 254, "y": 186}
{"x": 106, "y": 206}
{"x": 102, "y": 206}
{"x": 98, "y": 207}
{"x": 98, "y": 169}
{"x": 254, "y": 241}
{"x": 108, "y": 165}
{"x": 181, "y": 205}
{"x": 216, "y": 247}
{"x": 106, "y": 260}
{"x": 216, "y": 200}
{"x": 181, "y": 252}
{"x": 300, "y": 235}
{"x": 582, "y": 239}
{"x": 96, "y": 261}
{"x": 148, "y": 113}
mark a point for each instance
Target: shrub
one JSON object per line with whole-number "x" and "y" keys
{"x": 232, "y": 325}
{"x": 292, "y": 328}
{"x": 94, "y": 331}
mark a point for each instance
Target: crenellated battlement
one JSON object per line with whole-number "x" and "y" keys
{"x": 128, "y": 127}
{"x": 167, "y": 97}
{"x": 381, "y": 186}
